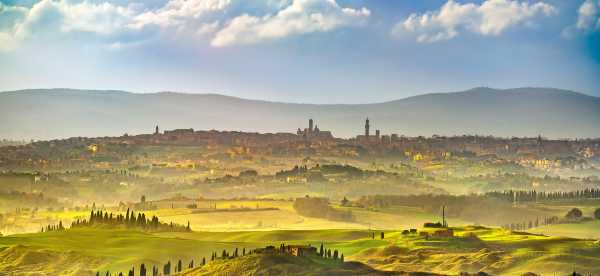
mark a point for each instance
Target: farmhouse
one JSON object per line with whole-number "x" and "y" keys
{"x": 301, "y": 250}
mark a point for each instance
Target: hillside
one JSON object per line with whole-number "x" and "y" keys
{"x": 472, "y": 249}
{"x": 61, "y": 113}
{"x": 285, "y": 265}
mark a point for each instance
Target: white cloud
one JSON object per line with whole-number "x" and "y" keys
{"x": 300, "y": 17}
{"x": 588, "y": 16}
{"x": 54, "y": 18}
{"x": 588, "y": 20}
{"x": 104, "y": 19}
{"x": 179, "y": 12}
{"x": 208, "y": 28}
{"x": 492, "y": 17}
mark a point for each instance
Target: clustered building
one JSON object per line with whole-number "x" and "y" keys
{"x": 314, "y": 132}
{"x": 367, "y": 138}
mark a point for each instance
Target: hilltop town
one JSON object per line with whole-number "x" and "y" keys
{"x": 310, "y": 142}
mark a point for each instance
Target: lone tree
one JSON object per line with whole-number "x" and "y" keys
{"x": 574, "y": 213}
{"x": 597, "y": 213}
{"x": 345, "y": 202}
{"x": 382, "y": 236}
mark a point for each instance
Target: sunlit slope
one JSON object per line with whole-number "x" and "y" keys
{"x": 284, "y": 265}
{"x": 103, "y": 249}
{"x": 584, "y": 230}
{"x": 494, "y": 251}
{"x": 472, "y": 249}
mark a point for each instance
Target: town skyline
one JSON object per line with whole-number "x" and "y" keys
{"x": 523, "y": 112}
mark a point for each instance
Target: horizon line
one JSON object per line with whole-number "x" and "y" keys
{"x": 290, "y": 102}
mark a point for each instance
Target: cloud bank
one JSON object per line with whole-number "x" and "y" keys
{"x": 111, "y": 21}
{"x": 225, "y": 23}
{"x": 490, "y": 18}
{"x": 302, "y": 16}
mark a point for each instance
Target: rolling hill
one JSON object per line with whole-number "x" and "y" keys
{"x": 62, "y": 113}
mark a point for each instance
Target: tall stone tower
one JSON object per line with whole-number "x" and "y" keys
{"x": 310, "y": 125}
{"x": 367, "y": 127}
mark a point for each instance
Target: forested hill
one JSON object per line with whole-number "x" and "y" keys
{"x": 61, "y": 113}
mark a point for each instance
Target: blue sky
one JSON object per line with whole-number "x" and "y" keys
{"x": 318, "y": 51}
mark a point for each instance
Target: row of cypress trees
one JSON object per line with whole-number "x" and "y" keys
{"x": 169, "y": 268}
{"x": 327, "y": 254}
{"x": 130, "y": 220}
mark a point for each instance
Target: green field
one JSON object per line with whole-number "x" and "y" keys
{"x": 222, "y": 220}
{"x": 497, "y": 251}
{"x": 584, "y": 230}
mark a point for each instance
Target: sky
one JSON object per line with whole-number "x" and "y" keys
{"x": 309, "y": 51}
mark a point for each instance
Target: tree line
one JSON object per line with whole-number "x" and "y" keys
{"x": 53, "y": 227}
{"x": 525, "y": 225}
{"x": 533, "y": 195}
{"x": 574, "y": 215}
{"x": 169, "y": 268}
{"x": 130, "y": 220}
{"x": 177, "y": 267}
{"x": 327, "y": 253}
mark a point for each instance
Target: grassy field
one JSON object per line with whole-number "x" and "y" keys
{"x": 84, "y": 251}
{"x": 584, "y": 230}
{"x": 223, "y": 220}
{"x": 114, "y": 250}
{"x": 497, "y": 251}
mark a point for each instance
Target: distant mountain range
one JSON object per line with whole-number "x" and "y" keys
{"x": 61, "y": 113}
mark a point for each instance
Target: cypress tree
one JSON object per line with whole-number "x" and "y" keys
{"x": 142, "y": 270}
{"x": 167, "y": 268}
